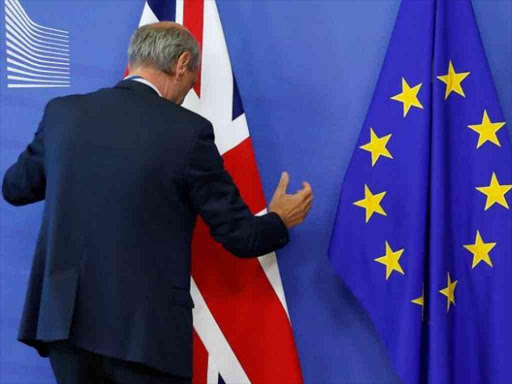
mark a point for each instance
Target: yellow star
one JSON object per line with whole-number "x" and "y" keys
{"x": 453, "y": 80}
{"x": 480, "y": 250}
{"x": 495, "y": 192}
{"x": 420, "y": 301}
{"x": 409, "y": 96}
{"x": 449, "y": 292}
{"x": 377, "y": 146}
{"x": 487, "y": 130}
{"x": 371, "y": 203}
{"x": 391, "y": 260}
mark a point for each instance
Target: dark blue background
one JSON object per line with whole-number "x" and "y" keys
{"x": 306, "y": 72}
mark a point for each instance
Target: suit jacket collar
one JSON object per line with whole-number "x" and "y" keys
{"x": 136, "y": 86}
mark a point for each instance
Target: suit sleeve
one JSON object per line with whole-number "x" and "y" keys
{"x": 25, "y": 181}
{"x": 216, "y": 198}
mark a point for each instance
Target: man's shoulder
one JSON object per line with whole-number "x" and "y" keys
{"x": 58, "y": 103}
{"x": 65, "y": 100}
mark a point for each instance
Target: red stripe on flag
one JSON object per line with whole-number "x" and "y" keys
{"x": 247, "y": 310}
{"x": 193, "y": 11}
{"x": 241, "y": 164}
{"x": 200, "y": 361}
{"x": 239, "y": 294}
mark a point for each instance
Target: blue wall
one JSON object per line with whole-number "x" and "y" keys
{"x": 306, "y": 72}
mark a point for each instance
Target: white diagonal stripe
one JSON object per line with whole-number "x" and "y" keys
{"x": 214, "y": 341}
{"x": 212, "y": 373}
{"x": 271, "y": 268}
{"x": 148, "y": 16}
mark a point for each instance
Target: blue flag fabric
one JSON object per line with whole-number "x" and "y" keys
{"x": 423, "y": 233}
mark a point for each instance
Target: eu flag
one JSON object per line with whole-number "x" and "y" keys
{"x": 423, "y": 234}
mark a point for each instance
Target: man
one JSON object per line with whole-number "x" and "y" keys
{"x": 124, "y": 173}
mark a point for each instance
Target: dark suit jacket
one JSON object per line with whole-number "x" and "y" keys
{"x": 124, "y": 173}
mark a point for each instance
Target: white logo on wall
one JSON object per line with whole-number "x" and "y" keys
{"x": 37, "y": 56}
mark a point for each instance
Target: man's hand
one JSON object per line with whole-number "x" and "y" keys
{"x": 291, "y": 208}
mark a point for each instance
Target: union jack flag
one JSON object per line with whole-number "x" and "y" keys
{"x": 242, "y": 331}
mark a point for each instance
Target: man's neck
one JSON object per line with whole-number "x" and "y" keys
{"x": 156, "y": 78}
{"x": 160, "y": 80}
{"x": 142, "y": 80}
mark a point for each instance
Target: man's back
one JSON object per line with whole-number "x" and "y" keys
{"x": 124, "y": 173}
{"x": 118, "y": 156}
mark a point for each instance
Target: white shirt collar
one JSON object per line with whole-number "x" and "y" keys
{"x": 144, "y": 81}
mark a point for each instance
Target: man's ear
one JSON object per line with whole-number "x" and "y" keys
{"x": 182, "y": 64}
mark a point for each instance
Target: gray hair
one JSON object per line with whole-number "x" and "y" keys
{"x": 161, "y": 47}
